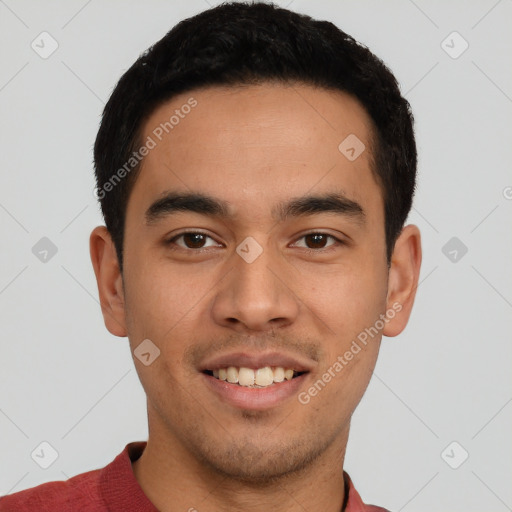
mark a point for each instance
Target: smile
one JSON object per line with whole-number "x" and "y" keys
{"x": 254, "y": 378}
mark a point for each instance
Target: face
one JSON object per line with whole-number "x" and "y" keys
{"x": 253, "y": 242}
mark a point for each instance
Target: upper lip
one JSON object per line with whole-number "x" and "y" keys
{"x": 257, "y": 360}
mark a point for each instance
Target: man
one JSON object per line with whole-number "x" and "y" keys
{"x": 255, "y": 169}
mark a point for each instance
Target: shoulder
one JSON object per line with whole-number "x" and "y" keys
{"x": 354, "y": 502}
{"x": 112, "y": 487}
{"x": 78, "y": 493}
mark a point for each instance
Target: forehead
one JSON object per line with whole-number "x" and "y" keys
{"x": 254, "y": 144}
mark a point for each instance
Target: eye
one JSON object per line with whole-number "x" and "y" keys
{"x": 192, "y": 240}
{"x": 317, "y": 242}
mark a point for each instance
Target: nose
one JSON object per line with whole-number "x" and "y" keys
{"x": 256, "y": 296}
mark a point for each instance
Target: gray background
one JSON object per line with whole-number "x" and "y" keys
{"x": 65, "y": 380}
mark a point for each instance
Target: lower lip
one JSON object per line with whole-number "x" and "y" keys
{"x": 255, "y": 399}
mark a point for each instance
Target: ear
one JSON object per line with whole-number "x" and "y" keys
{"x": 403, "y": 279}
{"x": 109, "y": 280}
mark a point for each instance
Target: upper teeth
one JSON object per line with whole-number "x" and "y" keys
{"x": 248, "y": 377}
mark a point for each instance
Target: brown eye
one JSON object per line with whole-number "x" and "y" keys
{"x": 193, "y": 240}
{"x": 316, "y": 241}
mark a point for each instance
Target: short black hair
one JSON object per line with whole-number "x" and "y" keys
{"x": 240, "y": 43}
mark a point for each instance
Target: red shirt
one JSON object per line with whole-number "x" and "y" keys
{"x": 113, "y": 489}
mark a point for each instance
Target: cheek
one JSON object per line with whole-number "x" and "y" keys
{"x": 163, "y": 304}
{"x": 350, "y": 310}
{"x": 348, "y": 299}
{"x": 159, "y": 295}
{"x": 160, "y": 307}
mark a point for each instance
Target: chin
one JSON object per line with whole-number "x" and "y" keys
{"x": 262, "y": 464}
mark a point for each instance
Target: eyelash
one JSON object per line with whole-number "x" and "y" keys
{"x": 337, "y": 242}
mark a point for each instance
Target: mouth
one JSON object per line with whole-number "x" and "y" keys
{"x": 254, "y": 378}
{"x": 256, "y": 381}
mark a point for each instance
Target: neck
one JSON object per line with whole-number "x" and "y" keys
{"x": 175, "y": 481}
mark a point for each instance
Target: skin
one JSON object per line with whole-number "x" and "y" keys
{"x": 253, "y": 147}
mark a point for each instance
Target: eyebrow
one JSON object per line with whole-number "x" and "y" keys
{"x": 173, "y": 202}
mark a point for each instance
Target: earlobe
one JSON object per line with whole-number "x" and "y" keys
{"x": 403, "y": 279}
{"x": 109, "y": 280}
